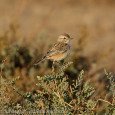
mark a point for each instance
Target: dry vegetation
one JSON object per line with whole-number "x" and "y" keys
{"x": 80, "y": 87}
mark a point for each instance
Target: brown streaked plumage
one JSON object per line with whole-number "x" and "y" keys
{"x": 59, "y": 50}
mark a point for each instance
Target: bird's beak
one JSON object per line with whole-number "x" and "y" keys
{"x": 71, "y": 38}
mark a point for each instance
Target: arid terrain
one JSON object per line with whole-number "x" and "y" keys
{"x": 29, "y": 27}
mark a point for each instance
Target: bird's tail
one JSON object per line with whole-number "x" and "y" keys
{"x": 40, "y": 60}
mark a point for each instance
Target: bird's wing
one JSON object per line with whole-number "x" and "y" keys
{"x": 57, "y": 48}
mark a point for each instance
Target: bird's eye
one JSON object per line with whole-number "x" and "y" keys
{"x": 64, "y": 38}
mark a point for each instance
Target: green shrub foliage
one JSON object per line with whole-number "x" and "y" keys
{"x": 57, "y": 95}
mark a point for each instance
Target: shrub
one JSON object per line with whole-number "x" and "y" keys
{"x": 57, "y": 95}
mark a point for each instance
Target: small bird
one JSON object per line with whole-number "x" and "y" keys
{"x": 59, "y": 50}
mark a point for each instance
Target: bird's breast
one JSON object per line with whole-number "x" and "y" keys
{"x": 59, "y": 57}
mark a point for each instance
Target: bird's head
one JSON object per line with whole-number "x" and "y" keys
{"x": 65, "y": 38}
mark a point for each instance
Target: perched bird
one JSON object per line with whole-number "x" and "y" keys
{"x": 59, "y": 50}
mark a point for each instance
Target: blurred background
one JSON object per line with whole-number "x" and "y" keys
{"x": 29, "y": 27}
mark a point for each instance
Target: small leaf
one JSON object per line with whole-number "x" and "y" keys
{"x": 38, "y": 77}
{"x": 106, "y": 73}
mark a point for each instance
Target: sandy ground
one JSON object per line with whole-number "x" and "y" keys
{"x": 70, "y": 16}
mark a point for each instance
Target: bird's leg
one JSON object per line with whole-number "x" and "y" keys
{"x": 53, "y": 72}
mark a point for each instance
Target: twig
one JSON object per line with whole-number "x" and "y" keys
{"x": 53, "y": 71}
{"x": 103, "y": 101}
{"x": 62, "y": 99}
